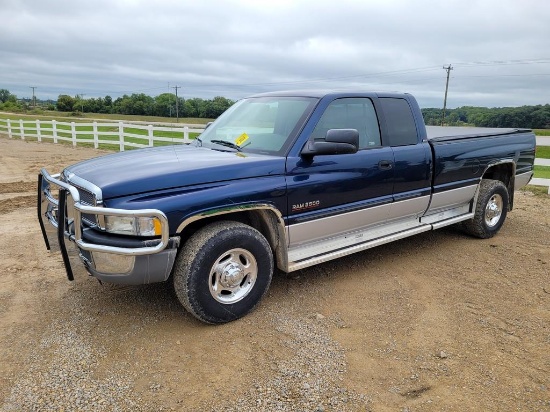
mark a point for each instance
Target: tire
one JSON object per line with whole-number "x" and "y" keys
{"x": 491, "y": 209}
{"x": 223, "y": 271}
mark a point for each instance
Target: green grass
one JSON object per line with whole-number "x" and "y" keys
{"x": 543, "y": 152}
{"x": 542, "y": 172}
{"x": 89, "y": 117}
{"x": 542, "y": 132}
{"x": 539, "y": 191}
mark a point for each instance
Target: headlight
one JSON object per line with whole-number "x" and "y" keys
{"x": 135, "y": 226}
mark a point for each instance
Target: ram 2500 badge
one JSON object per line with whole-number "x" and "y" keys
{"x": 286, "y": 180}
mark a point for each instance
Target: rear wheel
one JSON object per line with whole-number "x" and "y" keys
{"x": 223, "y": 271}
{"x": 491, "y": 209}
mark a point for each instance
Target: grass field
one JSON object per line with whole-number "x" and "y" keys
{"x": 543, "y": 152}
{"x": 88, "y": 117}
{"x": 542, "y": 132}
{"x": 539, "y": 191}
{"x": 542, "y": 172}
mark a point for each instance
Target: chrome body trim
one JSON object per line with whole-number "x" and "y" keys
{"x": 522, "y": 180}
{"x": 328, "y": 227}
{"x": 416, "y": 207}
{"x": 233, "y": 209}
{"x": 451, "y": 198}
{"x": 351, "y": 222}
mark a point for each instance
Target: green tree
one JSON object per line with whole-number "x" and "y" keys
{"x": 65, "y": 103}
{"x": 165, "y": 104}
{"x": 4, "y": 95}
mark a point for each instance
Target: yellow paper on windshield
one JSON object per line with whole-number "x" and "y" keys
{"x": 241, "y": 139}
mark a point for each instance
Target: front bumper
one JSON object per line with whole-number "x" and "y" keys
{"x": 131, "y": 262}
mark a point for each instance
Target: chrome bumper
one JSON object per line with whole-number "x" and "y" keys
{"x": 62, "y": 228}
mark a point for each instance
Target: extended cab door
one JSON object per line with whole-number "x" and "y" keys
{"x": 331, "y": 195}
{"x": 412, "y": 160}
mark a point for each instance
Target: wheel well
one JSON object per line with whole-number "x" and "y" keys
{"x": 263, "y": 220}
{"x": 503, "y": 172}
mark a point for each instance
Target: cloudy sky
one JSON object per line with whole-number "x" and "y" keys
{"x": 499, "y": 49}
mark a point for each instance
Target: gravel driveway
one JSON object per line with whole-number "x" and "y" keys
{"x": 437, "y": 322}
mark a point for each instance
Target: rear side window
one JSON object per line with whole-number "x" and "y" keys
{"x": 351, "y": 113}
{"x": 400, "y": 122}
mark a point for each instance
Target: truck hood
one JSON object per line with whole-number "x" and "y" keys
{"x": 146, "y": 170}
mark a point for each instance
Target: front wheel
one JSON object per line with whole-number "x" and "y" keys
{"x": 223, "y": 271}
{"x": 491, "y": 209}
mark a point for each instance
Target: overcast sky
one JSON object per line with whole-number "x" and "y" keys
{"x": 499, "y": 49}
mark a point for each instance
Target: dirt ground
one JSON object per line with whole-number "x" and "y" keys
{"x": 436, "y": 322}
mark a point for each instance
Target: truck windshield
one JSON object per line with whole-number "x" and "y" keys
{"x": 259, "y": 125}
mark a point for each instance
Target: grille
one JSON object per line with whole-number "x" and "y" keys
{"x": 89, "y": 199}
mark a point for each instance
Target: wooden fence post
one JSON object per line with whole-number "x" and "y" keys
{"x": 73, "y": 133}
{"x": 121, "y": 136}
{"x": 9, "y": 129}
{"x": 96, "y": 138}
{"x": 21, "y": 129}
{"x": 38, "y": 134}
{"x": 54, "y": 131}
{"x": 150, "y": 128}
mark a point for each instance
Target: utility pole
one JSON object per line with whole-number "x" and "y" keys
{"x": 33, "y": 98}
{"x": 448, "y": 68}
{"x": 177, "y": 111}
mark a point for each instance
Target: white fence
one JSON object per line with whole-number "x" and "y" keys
{"x": 96, "y": 133}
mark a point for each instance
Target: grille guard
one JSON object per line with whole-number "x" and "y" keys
{"x": 61, "y": 221}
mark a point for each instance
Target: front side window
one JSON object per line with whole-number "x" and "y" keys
{"x": 351, "y": 113}
{"x": 259, "y": 125}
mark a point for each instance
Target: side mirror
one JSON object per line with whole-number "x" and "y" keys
{"x": 208, "y": 125}
{"x": 337, "y": 141}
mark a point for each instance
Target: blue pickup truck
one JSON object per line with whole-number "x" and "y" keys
{"x": 291, "y": 180}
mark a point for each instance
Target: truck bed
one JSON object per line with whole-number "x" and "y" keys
{"x": 442, "y": 133}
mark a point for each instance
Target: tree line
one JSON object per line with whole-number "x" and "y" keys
{"x": 530, "y": 117}
{"x": 533, "y": 117}
{"x": 164, "y": 105}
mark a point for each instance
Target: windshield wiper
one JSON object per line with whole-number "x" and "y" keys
{"x": 227, "y": 144}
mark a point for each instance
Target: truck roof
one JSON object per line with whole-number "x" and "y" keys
{"x": 320, "y": 93}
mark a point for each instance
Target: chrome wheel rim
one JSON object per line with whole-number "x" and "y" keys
{"x": 493, "y": 210}
{"x": 232, "y": 276}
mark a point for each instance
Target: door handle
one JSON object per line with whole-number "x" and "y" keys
{"x": 385, "y": 164}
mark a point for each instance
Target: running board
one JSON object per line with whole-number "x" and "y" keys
{"x": 375, "y": 242}
{"x": 452, "y": 221}
{"x": 356, "y": 248}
